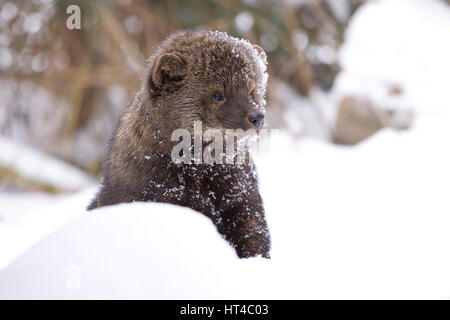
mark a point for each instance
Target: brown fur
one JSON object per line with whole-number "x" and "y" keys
{"x": 185, "y": 70}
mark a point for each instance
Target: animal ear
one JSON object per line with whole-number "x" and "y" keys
{"x": 168, "y": 66}
{"x": 261, "y": 53}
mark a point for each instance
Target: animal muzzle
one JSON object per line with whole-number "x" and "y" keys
{"x": 240, "y": 112}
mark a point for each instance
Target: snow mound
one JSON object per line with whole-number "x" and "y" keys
{"x": 27, "y": 218}
{"x": 134, "y": 250}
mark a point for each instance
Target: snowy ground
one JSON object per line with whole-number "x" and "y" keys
{"x": 369, "y": 221}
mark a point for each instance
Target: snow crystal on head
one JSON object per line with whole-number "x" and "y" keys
{"x": 260, "y": 59}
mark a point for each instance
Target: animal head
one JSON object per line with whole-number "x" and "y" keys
{"x": 211, "y": 77}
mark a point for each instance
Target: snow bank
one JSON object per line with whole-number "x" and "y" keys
{"x": 27, "y": 218}
{"x": 128, "y": 251}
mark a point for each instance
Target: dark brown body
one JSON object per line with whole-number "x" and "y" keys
{"x": 176, "y": 91}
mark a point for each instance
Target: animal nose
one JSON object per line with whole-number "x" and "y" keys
{"x": 256, "y": 118}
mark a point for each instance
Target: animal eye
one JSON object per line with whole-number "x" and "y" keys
{"x": 217, "y": 97}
